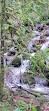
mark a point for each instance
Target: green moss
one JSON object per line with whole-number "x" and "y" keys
{"x": 38, "y": 46}
{"x": 21, "y": 41}
{"x": 10, "y": 22}
{"x": 16, "y": 62}
{"x": 29, "y": 79}
{"x": 4, "y": 106}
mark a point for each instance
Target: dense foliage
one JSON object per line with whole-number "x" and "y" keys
{"x": 38, "y": 63}
{"x": 20, "y": 14}
{"x": 21, "y": 17}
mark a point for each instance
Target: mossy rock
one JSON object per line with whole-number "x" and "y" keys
{"x": 26, "y": 56}
{"x": 8, "y": 44}
{"x": 11, "y": 53}
{"x": 30, "y": 79}
{"x": 16, "y": 62}
{"x": 4, "y": 106}
{"x": 20, "y": 41}
{"x": 27, "y": 78}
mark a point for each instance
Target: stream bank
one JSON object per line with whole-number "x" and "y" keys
{"x": 18, "y": 78}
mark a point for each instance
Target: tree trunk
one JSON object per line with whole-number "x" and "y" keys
{"x": 2, "y": 47}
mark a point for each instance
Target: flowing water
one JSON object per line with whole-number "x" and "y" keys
{"x": 13, "y": 79}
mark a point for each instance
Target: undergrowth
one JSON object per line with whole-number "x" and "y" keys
{"x": 21, "y": 15}
{"x": 39, "y": 62}
{"x": 27, "y": 107}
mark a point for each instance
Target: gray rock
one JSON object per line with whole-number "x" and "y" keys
{"x": 39, "y": 27}
{"x": 16, "y": 62}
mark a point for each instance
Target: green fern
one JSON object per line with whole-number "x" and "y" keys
{"x": 37, "y": 63}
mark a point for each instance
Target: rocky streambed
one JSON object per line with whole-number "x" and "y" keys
{"x": 17, "y": 75}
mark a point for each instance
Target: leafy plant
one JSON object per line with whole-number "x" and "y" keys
{"x": 21, "y": 15}
{"x": 37, "y": 63}
{"x": 28, "y": 107}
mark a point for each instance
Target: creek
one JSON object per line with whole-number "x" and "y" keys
{"x": 14, "y": 74}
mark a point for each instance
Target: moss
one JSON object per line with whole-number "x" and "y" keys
{"x": 21, "y": 41}
{"x": 4, "y": 106}
{"x": 29, "y": 79}
{"x": 38, "y": 46}
{"x": 11, "y": 53}
{"x": 16, "y": 62}
{"x": 8, "y": 44}
{"x": 25, "y": 55}
{"x": 10, "y": 21}
{"x": 6, "y": 27}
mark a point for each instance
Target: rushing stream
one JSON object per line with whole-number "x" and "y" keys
{"x": 13, "y": 79}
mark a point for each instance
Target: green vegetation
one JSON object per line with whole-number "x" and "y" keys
{"x": 20, "y": 14}
{"x": 38, "y": 63}
{"x": 18, "y": 20}
{"x": 25, "y": 107}
{"x": 5, "y": 106}
{"x": 16, "y": 62}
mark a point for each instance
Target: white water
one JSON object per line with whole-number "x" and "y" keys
{"x": 45, "y": 45}
{"x": 40, "y": 82}
{"x": 41, "y": 88}
{"x": 15, "y": 76}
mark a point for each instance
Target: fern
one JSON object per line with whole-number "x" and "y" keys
{"x": 37, "y": 63}
{"x": 28, "y": 107}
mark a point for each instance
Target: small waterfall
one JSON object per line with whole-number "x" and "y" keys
{"x": 40, "y": 84}
{"x": 40, "y": 81}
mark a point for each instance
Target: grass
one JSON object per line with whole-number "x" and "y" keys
{"x": 4, "y": 106}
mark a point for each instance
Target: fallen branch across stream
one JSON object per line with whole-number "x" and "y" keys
{"x": 36, "y": 94}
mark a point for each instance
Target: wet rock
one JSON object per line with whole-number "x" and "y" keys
{"x": 47, "y": 35}
{"x": 46, "y": 32}
{"x": 26, "y": 24}
{"x": 12, "y": 52}
{"x": 45, "y": 45}
{"x": 25, "y": 56}
{"x": 16, "y": 62}
{"x": 27, "y": 78}
{"x": 10, "y": 79}
{"x": 42, "y": 39}
{"x": 46, "y": 71}
{"x": 32, "y": 54}
{"x": 32, "y": 47}
{"x": 40, "y": 80}
{"x": 36, "y": 33}
{"x": 12, "y": 49}
{"x": 47, "y": 23}
{"x": 37, "y": 42}
{"x": 39, "y": 27}
{"x": 8, "y": 44}
{"x": 32, "y": 27}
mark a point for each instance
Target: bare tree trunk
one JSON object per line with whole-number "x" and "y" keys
{"x": 2, "y": 47}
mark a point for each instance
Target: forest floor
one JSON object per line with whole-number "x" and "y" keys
{"x": 21, "y": 97}
{"x": 13, "y": 100}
